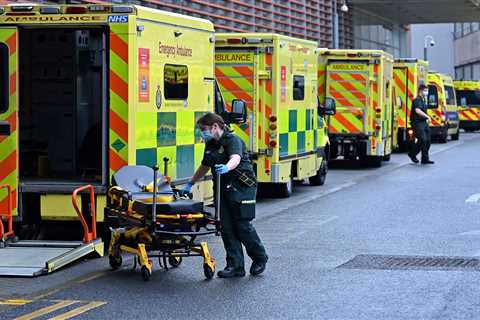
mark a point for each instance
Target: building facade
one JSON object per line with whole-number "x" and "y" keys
{"x": 467, "y": 51}
{"x": 440, "y": 56}
{"x": 374, "y": 32}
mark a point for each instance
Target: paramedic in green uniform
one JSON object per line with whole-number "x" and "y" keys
{"x": 226, "y": 154}
{"x": 419, "y": 120}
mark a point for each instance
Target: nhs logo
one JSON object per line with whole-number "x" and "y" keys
{"x": 118, "y": 19}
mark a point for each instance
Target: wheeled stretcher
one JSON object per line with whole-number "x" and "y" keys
{"x": 151, "y": 220}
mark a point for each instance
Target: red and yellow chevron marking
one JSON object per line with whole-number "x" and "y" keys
{"x": 400, "y": 84}
{"x": 9, "y": 144}
{"x": 237, "y": 82}
{"x": 118, "y": 113}
{"x": 351, "y": 94}
{"x": 436, "y": 116}
{"x": 469, "y": 114}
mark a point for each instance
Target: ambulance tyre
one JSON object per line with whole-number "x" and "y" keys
{"x": 285, "y": 190}
{"x": 387, "y": 157}
{"x": 443, "y": 139}
{"x": 321, "y": 176}
{"x": 456, "y": 136}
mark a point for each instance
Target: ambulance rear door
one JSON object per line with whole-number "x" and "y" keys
{"x": 8, "y": 116}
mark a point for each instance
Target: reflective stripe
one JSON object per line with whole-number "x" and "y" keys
{"x": 248, "y": 201}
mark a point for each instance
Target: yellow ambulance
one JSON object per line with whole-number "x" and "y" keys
{"x": 442, "y": 107}
{"x": 468, "y": 101}
{"x": 87, "y": 89}
{"x": 285, "y": 130}
{"x": 360, "y": 81}
{"x": 408, "y": 75}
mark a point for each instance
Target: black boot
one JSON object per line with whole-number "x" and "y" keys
{"x": 257, "y": 267}
{"x": 230, "y": 272}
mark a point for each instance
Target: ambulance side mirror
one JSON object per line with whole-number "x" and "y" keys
{"x": 330, "y": 107}
{"x": 399, "y": 103}
{"x": 239, "y": 111}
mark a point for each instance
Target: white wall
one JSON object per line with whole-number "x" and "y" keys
{"x": 441, "y": 56}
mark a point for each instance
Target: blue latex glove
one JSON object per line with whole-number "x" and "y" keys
{"x": 186, "y": 190}
{"x": 221, "y": 168}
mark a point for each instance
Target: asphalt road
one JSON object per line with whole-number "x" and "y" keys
{"x": 401, "y": 210}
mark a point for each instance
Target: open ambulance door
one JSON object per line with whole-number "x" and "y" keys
{"x": 8, "y": 119}
{"x": 237, "y": 79}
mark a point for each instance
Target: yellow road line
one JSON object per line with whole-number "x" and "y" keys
{"x": 15, "y": 302}
{"x": 77, "y": 311}
{"x": 49, "y": 309}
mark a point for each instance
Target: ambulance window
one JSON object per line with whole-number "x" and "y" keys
{"x": 298, "y": 88}
{"x": 175, "y": 82}
{"x": 450, "y": 95}
{"x": 4, "y": 81}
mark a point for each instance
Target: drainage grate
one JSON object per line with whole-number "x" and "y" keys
{"x": 384, "y": 262}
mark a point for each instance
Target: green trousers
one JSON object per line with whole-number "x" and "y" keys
{"x": 237, "y": 230}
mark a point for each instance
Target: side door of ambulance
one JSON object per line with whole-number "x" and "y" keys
{"x": 8, "y": 116}
{"x": 236, "y": 74}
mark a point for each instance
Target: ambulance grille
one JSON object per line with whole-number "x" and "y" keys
{"x": 387, "y": 262}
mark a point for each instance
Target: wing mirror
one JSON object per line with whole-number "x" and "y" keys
{"x": 330, "y": 107}
{"x": 238, "y": 114}
{"x": 399, "y": 103}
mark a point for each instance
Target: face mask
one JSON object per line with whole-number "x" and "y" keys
{"x": 206, "y": 135}
{"x": 425, "y": 93}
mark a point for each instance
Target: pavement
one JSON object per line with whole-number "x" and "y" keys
{"x": 315, "y": 240}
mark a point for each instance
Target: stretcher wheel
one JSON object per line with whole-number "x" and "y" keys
{"x": 208, "y": 271}
{"x": 174, "y": 261}
{"x": 115, "y": 262}
{"x": 146, "y": 274}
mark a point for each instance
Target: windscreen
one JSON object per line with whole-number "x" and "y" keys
{"x": 450, "y": 95}
{"x": 468, "y": 98}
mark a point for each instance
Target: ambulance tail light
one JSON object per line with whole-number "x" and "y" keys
{"x": 273, "y": 127}
{"x": 378, "y": 128}
{"x": 50, "y": 10}
{"x": 234, "y": 41}
{"x": 75, "y": 10}
{"x": 273, "y": 143}
{"x": 272, "y": 119}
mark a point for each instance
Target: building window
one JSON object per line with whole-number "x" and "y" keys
{"x": 175, "y": 79}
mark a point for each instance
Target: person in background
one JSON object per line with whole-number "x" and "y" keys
{"x": 419, "y": 120}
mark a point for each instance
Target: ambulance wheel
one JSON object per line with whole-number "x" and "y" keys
{"x": 443, "y": 139}
{"x": 285, "y": 190}
{"x": 174, "y": 262}
{"x": 321, "y": 176}
{"x": 208, "y": 271}
{"x": 115, "y": 262}
{"x": 456, "y": 136}
{"x": 146, "y": 274}
{"x": 387, "y": 157}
